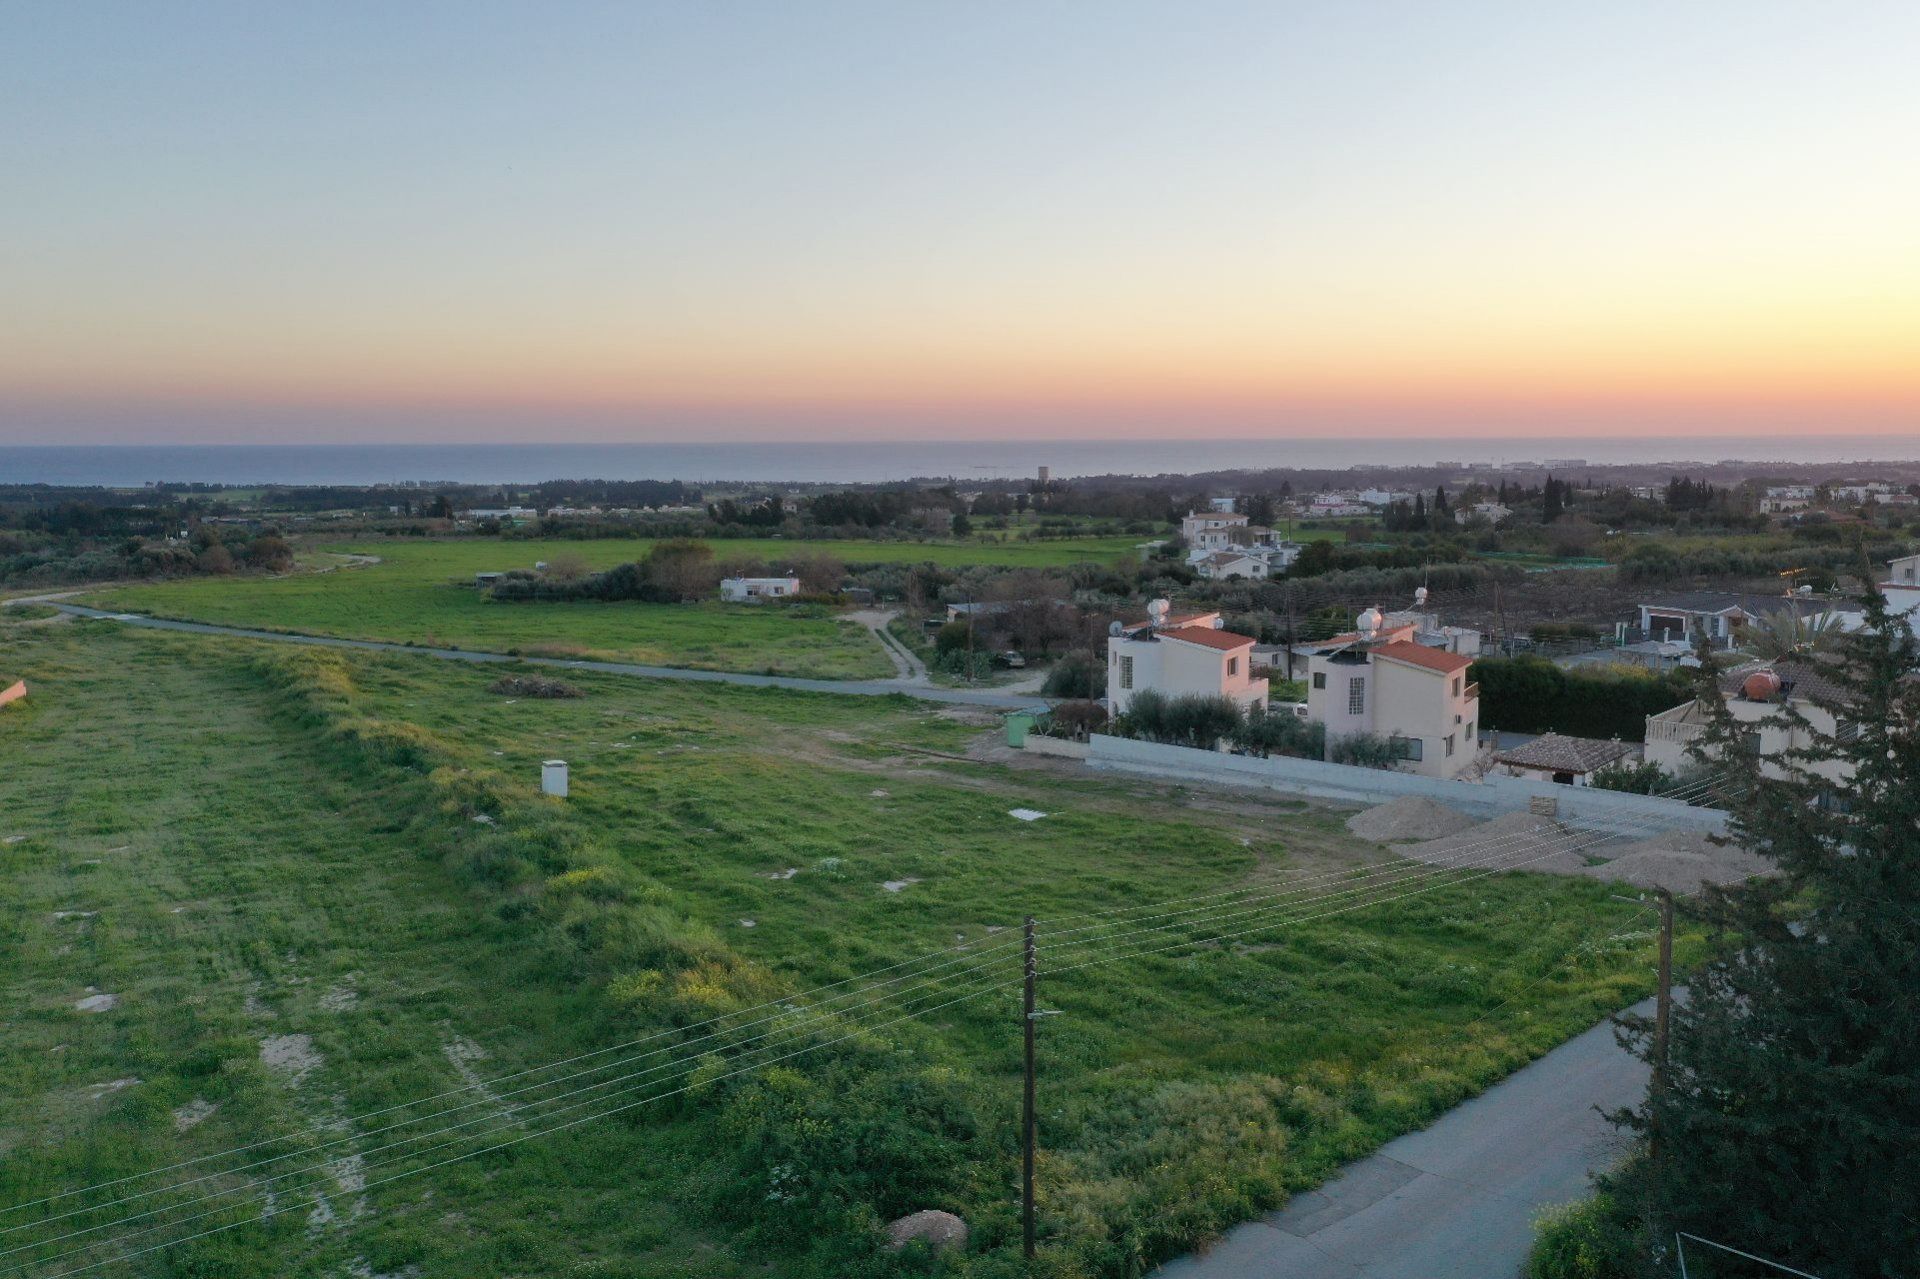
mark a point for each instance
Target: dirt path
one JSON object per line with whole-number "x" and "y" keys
{"x": 908, "y": 667}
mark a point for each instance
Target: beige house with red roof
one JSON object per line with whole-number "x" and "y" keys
{"x": 1180, "y": 656}
{"x": 1415, "y": 696}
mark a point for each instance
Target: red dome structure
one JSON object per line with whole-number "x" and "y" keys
{"x": 1761, "y": 686}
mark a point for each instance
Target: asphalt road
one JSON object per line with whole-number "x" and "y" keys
{"x": 1003, "y": 701}
{"x": 1458, "y": 1200}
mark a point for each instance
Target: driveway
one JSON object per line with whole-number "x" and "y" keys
{"x": 1458, "y": 1200}
{"x": 991, "y": 699}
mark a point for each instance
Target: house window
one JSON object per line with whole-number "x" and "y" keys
{"x": 1233, "y": 666}
{"x": 1456, "y": 686}
{"x": 1846, "y": 731}
{"x": 1357, "y": 695}
{"x": 1469, "y": 733}
{"x": 1412, "y": 748}
{"x": 1319, "y": 679}
{"x": 1126, "y": 672}
{"x": 1449, "y": 740}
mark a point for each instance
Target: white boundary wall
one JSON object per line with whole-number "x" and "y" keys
{"x": 1603, "y": 810}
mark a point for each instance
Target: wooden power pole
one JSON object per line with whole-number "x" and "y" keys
{"x": 1028, "y": 1125}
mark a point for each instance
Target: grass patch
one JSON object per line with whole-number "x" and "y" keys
{"x": 281, "y": 842}
{"x": 423, "y": 593}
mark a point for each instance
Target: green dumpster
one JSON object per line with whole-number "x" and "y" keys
{"x": 1019, "y": 724}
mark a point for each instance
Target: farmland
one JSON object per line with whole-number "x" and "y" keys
{"x": 318, "y": 885}
{"x": 422, "y": 593}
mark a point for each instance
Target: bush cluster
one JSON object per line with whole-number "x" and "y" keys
{"x": 1532, "y": 695}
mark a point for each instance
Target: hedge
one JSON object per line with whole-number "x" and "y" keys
{"x": 1532, "y": 695}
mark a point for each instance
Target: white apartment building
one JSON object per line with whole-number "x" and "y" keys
{"x": 1178, "y": 656}
{"x": 741, "y": 590}
{"x": 1415, "y": 696}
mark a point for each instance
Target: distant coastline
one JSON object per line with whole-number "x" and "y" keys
{"x": 816, "y": 463}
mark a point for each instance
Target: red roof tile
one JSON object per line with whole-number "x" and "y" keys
{"x": 1432, "y": 659}
{"x": 1207, "y": 636}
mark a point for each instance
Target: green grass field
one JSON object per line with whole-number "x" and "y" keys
{"x": 423, "y": 593}
{"x": 339, "y": 862}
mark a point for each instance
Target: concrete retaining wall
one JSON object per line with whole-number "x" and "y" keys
{"x": 1602, "y": 810}
{"x": 1039, "y": 744}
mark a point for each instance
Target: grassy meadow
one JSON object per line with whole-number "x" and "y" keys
{"x": 321, "y": 885}
{"x": 422, "y": 592}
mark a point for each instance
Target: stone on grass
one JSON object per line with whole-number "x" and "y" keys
{"x": 938, "y": 1229}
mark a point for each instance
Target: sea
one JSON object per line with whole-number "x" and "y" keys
{"x": 116, "y": 465}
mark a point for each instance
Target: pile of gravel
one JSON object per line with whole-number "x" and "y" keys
{"x": 1409, "y": 817}
{"x": 1515, "y": 841}
{"x": 1681, "y": 861}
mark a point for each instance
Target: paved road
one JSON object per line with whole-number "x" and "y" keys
{"x": 1458, "y": 1200}
{"x": 860, "y": 688}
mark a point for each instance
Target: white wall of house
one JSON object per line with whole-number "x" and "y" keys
{"x": 1433, "y": 707}
{"x": 741, "y": 589}
{"x": 1389, "y": 698}
{"x": 1176, "y": 668}
{"x": 1672, "y": 732}
{"x": 1904, "y": 571}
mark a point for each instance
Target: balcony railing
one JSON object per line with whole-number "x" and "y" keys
{"x": 1473, "y": 691}
{"x": 1677, "y": 731}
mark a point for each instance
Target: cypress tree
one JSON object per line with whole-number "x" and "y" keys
{"x": 1789, "y": 1124}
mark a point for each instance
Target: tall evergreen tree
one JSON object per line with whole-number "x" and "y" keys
{"x": 1552, "y": 504}
{"x": 1789, "y": 1121}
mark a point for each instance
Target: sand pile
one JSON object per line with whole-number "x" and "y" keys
{"x": 1409, "y": 817}
{"x": 1516, "y": 841}
{"x": 1681, "y": 861}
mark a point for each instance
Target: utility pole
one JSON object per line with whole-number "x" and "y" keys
{"x": 1028, "y": 1126}
{"x": 970, "y": 637}
{"x": 1663, "y": 1004}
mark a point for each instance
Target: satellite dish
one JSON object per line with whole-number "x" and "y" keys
{"x": 1157, "y": 611}
{"x": 1420, "y": 597}
{"x": 1116, "y": 628}
{"x": 1368, "y": 623}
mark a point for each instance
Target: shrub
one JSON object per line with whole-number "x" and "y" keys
{"x": 1079, "y": 674}
{"x": 1532, "y": 695}
{"x": 1593, "y": 1239}
{"x": 1281, "y": 733}
{"x": 1189, "y": 720}
{"x": 1364, "y": 750}
{"x": 1075, "y": 720}
{"x": 1635, "y": 777}
{"x": 951, "y": 638}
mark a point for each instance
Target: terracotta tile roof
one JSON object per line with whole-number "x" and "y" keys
{"x": 1207, "y": 637}
{"x": 1560, "y": 754}
{"x": 1432, "y": 659}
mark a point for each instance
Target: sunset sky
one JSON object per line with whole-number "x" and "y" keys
{"x": 709, "y": 220}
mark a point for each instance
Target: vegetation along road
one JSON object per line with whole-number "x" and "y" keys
{"x": 1457, "y": 1200}
{"x": 906, "y": 686}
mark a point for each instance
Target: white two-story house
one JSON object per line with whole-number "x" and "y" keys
{"x": 1179, "y": 656}
{"x": 1416, "y": 696}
